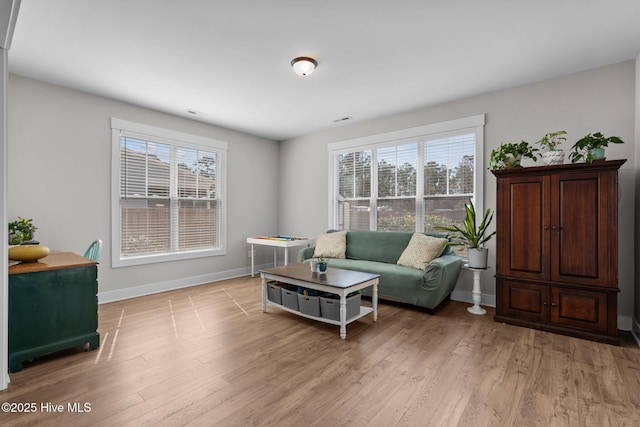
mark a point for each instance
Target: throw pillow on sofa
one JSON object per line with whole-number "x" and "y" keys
{"x": 331, "y": 245}
{"x": 421, "y": 250}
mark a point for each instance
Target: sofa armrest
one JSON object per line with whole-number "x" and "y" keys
{"x": 305, "y": 253}
{"x": 442, "y": 273}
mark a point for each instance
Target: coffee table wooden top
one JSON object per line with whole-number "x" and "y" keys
{"x": 335, "y": 277}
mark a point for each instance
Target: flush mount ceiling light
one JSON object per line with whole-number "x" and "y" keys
{"x": 303, "y": 65}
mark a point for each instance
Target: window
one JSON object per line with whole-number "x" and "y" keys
{"x": 409, "y": 180}
{"x": 167, "y": 197}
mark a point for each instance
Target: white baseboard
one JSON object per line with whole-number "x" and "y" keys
{"x": 625, "y": 323}
{"x": 154, "y": 288}
{"x": 466, "y": 296}
{"x": 635, "y": 331}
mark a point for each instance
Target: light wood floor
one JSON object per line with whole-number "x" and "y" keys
{"x": 208, "y": 356}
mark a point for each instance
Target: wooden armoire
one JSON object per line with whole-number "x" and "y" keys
{"x": 557, "y": 249}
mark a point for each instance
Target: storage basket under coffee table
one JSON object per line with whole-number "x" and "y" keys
{"x": 335, "y": 281}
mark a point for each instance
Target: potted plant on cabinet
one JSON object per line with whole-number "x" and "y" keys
{"x": 472, "y": 235}
{"x": 21, "y": 231}
{"x": 23, "y": 247}
{"x": 510, "y": 154}
{"x": 591, "y": 147}
{"x": 552, "y": 155}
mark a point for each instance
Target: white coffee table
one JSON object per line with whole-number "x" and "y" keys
{"x": 335, "y": 281}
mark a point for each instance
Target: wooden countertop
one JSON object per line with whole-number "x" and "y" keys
{"x": 54, "y": 261}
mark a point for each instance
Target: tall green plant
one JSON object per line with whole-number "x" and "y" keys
{"x": 470, "y": 234}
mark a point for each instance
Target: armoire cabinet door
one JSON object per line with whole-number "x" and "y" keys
{"x": 524, "y": 300}
{"x": 579, "y": 308}
{"x": 523, "y": 211}
{"x": 580, "y": 229}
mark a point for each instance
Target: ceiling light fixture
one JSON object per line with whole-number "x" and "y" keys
{"x": 303, "y": 65}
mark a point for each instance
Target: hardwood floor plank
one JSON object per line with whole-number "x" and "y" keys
{"x": 208, "y": 355}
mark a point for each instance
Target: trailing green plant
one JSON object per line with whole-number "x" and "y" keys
{"x": 503, "y": 156}
{"x": 470, "y": 234}
{"x": 21, "y": 231}
{"x": 582, "y": 148}
{"x": 552, "y": 140}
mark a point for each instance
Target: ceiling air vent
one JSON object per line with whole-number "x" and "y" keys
{"x": 343, "y": 119}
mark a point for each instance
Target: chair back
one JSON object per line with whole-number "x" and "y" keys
{"x": 94, "y": 250}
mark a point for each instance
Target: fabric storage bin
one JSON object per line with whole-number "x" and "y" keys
{"x": 309, "y": 305}
{"x": 330, "y": 307}
{"x": 274, "y": 294}
{"x": 307, "y": 291}
{"x": 289, "y": 298}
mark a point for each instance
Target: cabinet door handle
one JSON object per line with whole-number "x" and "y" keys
{"x": 553, "y": 304}
{"x": 546, "y": 227}
{"x": 546, "y": 304}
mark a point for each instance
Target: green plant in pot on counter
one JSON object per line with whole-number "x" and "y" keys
{"x": 591, "y": 147}
{"x": 472, "y": 235}
{"x": 21, "y": 231}
{"x": 509, "y": 155}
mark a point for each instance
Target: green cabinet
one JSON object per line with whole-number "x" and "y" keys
{"x": 52, "y": 306}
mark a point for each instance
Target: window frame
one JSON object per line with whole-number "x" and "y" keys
{"x": 472, "y": 124}
{"x": 121, "y": 127}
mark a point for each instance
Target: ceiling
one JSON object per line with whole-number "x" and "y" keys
{"x": 230, "y": 60}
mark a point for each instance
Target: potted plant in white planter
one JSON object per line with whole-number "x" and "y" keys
{"x": 509, "y": 154}
{"x": 591, "y": 147}
{"x": 472, "y": 235}
{"x": 552, "y": 155}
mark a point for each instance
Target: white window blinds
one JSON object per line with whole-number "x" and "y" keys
{"x": 354, "y": 190}
{"x": 449, "y": 171}
{"x": 409, "y": 180}
{"x": 170, "y": 198}
{"x": 144, "y": 197}
{"x": 396, "y": 192}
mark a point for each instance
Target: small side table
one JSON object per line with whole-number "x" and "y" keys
{"x": 277, "y": 242}
{"x": 476, "y": 293}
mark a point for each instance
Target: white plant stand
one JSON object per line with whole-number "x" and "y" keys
{"x": 476, "y": 292}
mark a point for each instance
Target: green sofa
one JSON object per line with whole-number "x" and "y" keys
{"x": 378, "y": 252}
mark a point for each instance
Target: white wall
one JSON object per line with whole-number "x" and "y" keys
{"x": 8, "y": 16}
{"x": 60, "y": 174}
{"x": 4, "y": 288}
{"x": 636, "y": 319}
{"x": 602, "y": 99}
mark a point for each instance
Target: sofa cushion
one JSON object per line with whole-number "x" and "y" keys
{"x": 331, "y": 245}
{"x": 421, "y": 250}
{"x": 376, "y": 245}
